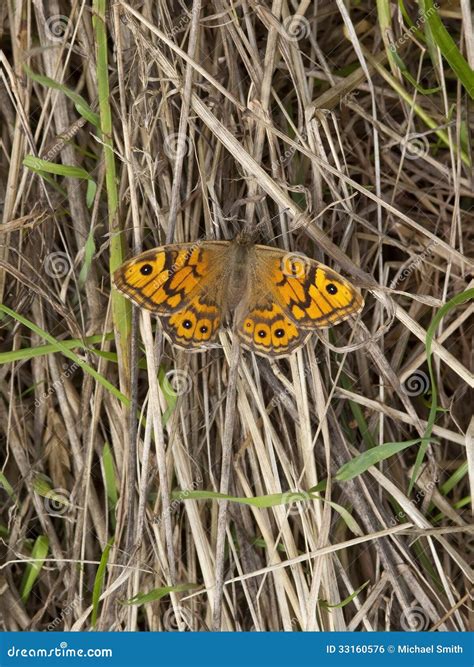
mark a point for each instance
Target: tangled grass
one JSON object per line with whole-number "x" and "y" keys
{"x": 144, "y": 488}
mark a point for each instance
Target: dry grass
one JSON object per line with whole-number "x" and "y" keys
{"x": 216, "y": 117}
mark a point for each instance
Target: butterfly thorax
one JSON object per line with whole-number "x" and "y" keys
{"x": 240, "y": 251}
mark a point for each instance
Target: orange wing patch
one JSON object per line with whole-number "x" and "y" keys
{"x": 161, "y": 280}
{"x": 266, "y": 329}
{"x": 195, "y": 326}
{"x": 314, "y": 296}
{"x": 192, "y": 286}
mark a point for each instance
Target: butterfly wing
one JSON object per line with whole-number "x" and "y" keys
{"x": 291, "y": 296}
{"x": 182, "y": 283}
{"x": 313, "y": 295}
{"x": 195, "y": 327}
{"x": 266, "y": 329}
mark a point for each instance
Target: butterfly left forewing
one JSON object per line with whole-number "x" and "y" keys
{"x": 183, "y": 284}
{"x": 165, "y": 278}
{"x": 313, "y": 295}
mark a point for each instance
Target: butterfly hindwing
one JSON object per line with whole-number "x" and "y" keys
{"x": 266, "y": 329}
{"x": 194, "y": 327}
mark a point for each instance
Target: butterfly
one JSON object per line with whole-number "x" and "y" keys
{"x": 277, "y": 298}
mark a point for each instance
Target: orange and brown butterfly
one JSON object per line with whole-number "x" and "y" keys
{"x": 274, "y": 298}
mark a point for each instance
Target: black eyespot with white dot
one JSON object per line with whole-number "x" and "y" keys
{"x": 204, "y": 329}
{"x": 262, "y": 333}
{"x": 187, "y": 324}
{"x": 279, "y": 333}
{"x": 331, "y": 288}
{"x": 146, "y": 269}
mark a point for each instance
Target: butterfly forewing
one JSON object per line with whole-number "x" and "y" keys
{"x": 165, "y": 279}
{"x": 185, "y": 284}
{"x": 311, "y": 294}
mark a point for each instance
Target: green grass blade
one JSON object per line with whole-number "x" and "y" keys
{"x": 448, "y": 46}
{"x": 110, "y": 477}
{"x": 59, "y": 347}
{"x": 32, "y": 571}
{"x": 32, "y": 352}
{"x": 271, "y": 500}
{"x": 158, "y": 593}
{"x": 99, "y": 581}
{"x": 38, "y": 165}
{"x": 364, "y": 461}
{"x": 79, "y": 102}
{"x": 89, "y": 251}
{"x": 346, "y": 601}
{"x": 121, "y": 307}
{"x": 457, "y": 300}
{"x": 5, "y": 484}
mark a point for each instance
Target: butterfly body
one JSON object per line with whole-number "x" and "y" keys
{"x": 274, "y": 299}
